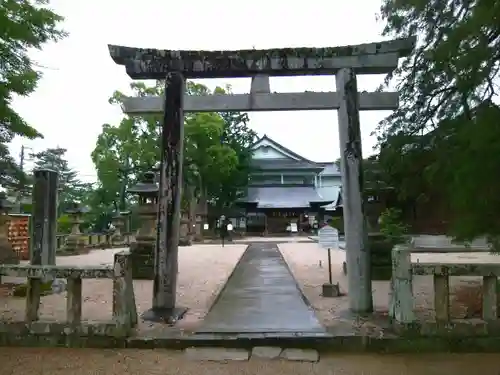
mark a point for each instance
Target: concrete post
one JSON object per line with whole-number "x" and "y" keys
{"x": 44, "y": 219}
{"x": 357, "y": 253}
{"x": 169, "y": 208}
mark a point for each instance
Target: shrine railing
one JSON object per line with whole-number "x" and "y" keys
{"x": 401, "y": 309}
{"x": 124, "y": 317}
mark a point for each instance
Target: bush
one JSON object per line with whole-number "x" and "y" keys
{"x": 337, "y": 223}
{"x": 64, "y": 224}
{"x": 381, "y": 261}
{"x": 391, "y": 226}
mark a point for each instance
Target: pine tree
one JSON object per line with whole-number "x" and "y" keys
{"x": 24, "y": 25}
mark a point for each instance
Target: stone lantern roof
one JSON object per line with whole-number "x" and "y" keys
{"x": 146, "y": 187}
{"x": 76, "y": 208}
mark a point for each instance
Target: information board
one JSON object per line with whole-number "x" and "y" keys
{"x": 328, "y": 237}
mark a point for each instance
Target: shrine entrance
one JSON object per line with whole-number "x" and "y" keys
{"x": 278, "y": 221}
{"x": 177, "y": 66}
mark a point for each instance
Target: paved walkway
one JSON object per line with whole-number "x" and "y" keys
{"x": 261, "y": 296}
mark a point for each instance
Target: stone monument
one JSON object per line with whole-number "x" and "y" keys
{"x": 142, "y": 249}
{"x": 44, "y": 217}
{"x": 75, "y": 241}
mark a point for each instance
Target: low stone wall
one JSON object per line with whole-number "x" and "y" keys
{"x": 401, "y": 309}
{"x": 97, "y": 240}
{"x": 124, "y": 307}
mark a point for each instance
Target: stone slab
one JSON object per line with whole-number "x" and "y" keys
{"x": 302, "y": 355}
{"x": 261, "y": 296}
{"x": 266, "y": 352}
{"x": 330, "y": 290}
{"x": 217, "y": 354}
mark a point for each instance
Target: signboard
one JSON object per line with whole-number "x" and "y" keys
{"x": 293, "y": 228}
{"x": 328, "y": 237}
{"x": 230, "y": 227}
{"x": 205, "y": 226}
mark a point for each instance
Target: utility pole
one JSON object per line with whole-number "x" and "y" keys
{"x": 20, "y": 190}
{"x": 22, "y": 186}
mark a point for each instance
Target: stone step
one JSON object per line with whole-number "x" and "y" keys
{"x": 218, "y": 354}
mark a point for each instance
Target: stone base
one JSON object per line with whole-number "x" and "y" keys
{"x": 220, "y": 354}
{"x": 185, "y": 242}
{"x": 330, "y": 290}
{"x": 168, "y": 316}
{"x": 143, "y": 260}
{"x": 74, "y": 244}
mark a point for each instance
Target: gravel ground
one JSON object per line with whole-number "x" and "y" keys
{"x": 31, "y": 361}
{"x": 203, "y": 270}
{"x": 308, "y": 263}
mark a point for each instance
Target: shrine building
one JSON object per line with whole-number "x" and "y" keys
{"x": 286, "y": 189}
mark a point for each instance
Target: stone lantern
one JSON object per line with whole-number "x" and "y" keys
{"x": 7, "y": 253}
{"x": 142, "y": 250}
{"x": 118, "y": 222}
{"x": 75, "y": 241}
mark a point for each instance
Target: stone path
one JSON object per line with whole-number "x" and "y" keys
{"x": 261, "y": 296}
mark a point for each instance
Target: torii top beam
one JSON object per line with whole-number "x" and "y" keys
{"x": 371, "y": 58}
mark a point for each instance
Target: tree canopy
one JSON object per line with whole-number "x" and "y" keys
{"x": 216, "y": 155}
{"x": 24, "y": 25}
{"x": 445, "y": 136}
{"x": 71, "y": 189}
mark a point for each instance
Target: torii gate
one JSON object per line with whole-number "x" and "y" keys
{"x": 176, "y": 66}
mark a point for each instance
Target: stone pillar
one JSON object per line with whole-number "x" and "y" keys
{"x": 75, "y": 242}
{"x": 357, "y": 252}
{"x": 191, "y": 214}
{"x": 118, "y": 223}
{"x": 167, "y": 244}
{"x": 184, "y": 230}
{"x": 142, "y": 250}
{"x": 44, "y": 217}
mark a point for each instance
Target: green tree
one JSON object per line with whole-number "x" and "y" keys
{"x": 24, "y": 25}
{"x": 443, "y": 139}
{"x": 215, "y": 148}
{"x": 239, "y": 137}
{"x": 71, "y": 189}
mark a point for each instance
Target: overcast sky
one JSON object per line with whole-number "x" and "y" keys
{"x": 71, "y": 102}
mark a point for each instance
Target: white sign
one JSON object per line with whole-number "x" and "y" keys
{"x": 205, "y": 226}
{"x": 293, "y": 228}
{"x": 328, "y": 237}
{"x": 230, "y": 227}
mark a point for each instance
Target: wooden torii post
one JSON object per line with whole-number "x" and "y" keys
{"x": 176, "y": 66}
